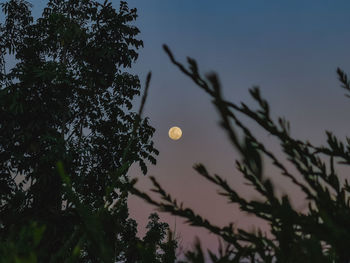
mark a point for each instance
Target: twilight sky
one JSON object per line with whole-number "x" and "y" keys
{"x": 291, "y": 49}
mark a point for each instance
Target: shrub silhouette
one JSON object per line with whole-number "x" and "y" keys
{"x": 320, "y": 234}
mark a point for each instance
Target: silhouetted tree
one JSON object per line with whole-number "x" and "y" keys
{"x": 320, "y": 234}
{"x": 68, "y": 135}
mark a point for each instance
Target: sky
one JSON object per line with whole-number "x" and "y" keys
{"x": 291, "y": 49}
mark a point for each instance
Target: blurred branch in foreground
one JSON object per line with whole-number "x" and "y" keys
{"x": 320, "y": 234}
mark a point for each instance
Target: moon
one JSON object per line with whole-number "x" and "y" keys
{"x": 175, "y": 133}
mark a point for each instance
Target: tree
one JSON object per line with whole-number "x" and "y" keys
{"x": 68, "y": 134}
{"x": 320, "y": 234}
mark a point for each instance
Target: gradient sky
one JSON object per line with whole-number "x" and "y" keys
{"x": 291, "y": 49}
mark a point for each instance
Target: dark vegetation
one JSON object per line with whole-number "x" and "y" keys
{"x": 68, "y": 135}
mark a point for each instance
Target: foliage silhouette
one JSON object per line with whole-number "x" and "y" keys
{"x": 320, "y": 234}
{"x": 68, "y": 136}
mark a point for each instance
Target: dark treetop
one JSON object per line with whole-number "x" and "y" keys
{"x": 67, "y": 103}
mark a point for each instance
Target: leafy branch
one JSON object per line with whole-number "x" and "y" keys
{"x": 316, "y": 234}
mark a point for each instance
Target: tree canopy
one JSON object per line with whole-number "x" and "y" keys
{"x": 69, "y": 133}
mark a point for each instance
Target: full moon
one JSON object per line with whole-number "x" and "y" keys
{"x": 175, "y": 133}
